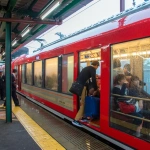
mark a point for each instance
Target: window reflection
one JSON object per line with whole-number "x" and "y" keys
{"x": 51, "y": 74}
{"x": 87, "y": 57}
{"x": 130, "y": 86}
{"x": 67, "y": 72}
{"x": 38, "y": 73}
{"x": 23, "y": 73}
{"x": 29, "y": 73}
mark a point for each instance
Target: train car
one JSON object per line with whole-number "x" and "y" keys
{"x": 46, "y": 76}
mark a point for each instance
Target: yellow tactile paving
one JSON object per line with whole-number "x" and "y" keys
{"x": 41, "y": 137}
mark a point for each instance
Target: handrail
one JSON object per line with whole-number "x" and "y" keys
{"x": 137, "y": 98}
{"x": 147, "y": 120}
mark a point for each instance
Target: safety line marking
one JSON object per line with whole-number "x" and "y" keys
{"x": 40, "y": 136}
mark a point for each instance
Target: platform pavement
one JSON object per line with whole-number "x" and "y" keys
{"x": 13, "y": 136}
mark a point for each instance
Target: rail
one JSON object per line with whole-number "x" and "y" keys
{"x": 147, "y": 120}
{"x": 137, "y": 98}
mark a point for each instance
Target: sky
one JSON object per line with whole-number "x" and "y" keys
{"x": 92, "y": 13}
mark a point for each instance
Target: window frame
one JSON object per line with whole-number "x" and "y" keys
{"x": 71, "y": 54}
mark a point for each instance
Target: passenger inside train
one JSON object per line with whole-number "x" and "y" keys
{"x": 127, "y": 70}
{"x": 131, "y": 91}
{"x": 117, "y": 67}
{"x": 127, "y": 105}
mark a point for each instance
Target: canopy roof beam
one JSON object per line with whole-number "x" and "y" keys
{"x": 30, "y": 21}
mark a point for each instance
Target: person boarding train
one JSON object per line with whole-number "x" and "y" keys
{"x": 87, "y": 73}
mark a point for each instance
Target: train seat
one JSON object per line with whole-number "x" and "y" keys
{"x": 114, "y": 107}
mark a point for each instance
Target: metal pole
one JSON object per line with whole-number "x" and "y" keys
{"x": 8, "y": 70}
{"x": 59, "y": 22}
{"x": 122, "y": 5}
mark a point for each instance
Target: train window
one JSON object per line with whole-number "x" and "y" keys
{"x": 38, "y": 73}
{"x": 29, "y": 73}
{"x": 67, "y": 72}
{"x": 130, "y": 86}
{"x": 23, "y": 73}
{"x": 86, "y": 57}
{"x": 51, "y": 74}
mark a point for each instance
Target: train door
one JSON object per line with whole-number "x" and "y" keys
{"x": 85, "y": 59}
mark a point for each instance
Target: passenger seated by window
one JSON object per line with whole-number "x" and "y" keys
{"x": 117, "y": 67}
{"x": 135, "y": 91}
{"x": 120, "y": 85}
{"x": 120, "y": 88}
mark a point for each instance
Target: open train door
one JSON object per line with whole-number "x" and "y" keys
{"x": 85, "y": 59}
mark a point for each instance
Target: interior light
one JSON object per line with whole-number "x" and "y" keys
{"x": 116, "y": 56}
{"x": 148, "y": 52}
{"x": 25, "y": 32}
{"x": 124, "y": 55}
{"x": 49, "y": 10}
{"x": 143, "y": 53}
{"x": 134, "y": 54}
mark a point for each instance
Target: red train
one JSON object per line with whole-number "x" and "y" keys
{"x": 46, "y": 76}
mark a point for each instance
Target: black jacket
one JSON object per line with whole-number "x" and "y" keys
{"x": 2, "y": 82}
{"x": 87, "y": 73}
{"x": 122, "y": 91}
{"x": 13, "y": 82}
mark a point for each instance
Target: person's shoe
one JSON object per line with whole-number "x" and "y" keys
{"x": 17, "y": 105}
{"x": 84, "y": 120}
{"x": 76, "y": 123}
{"x": 137, "y": 134}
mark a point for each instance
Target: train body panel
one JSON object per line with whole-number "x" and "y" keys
{"x": 72, "y": 53}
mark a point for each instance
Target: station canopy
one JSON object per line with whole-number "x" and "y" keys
{"x": 30, "y": 18}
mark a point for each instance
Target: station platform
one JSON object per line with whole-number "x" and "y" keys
{"x": 35, "y": 128}
{"x": 13, "y": 135}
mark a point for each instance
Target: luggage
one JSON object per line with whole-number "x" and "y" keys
{"x": 126, "y": 107}
{"x": 92, "y": 107}
{"x": 76, "y": 88}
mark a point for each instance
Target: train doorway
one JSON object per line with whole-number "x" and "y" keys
{"x": 85, "y": 59}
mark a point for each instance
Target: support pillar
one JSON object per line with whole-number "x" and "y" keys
{"x": 8, "y": 70}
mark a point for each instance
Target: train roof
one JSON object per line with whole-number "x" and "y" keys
{"x": 122, "y": 19}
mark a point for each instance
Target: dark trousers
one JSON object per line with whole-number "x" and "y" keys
{"x": 2, "y": 93}
{"x": 137, "y": 121}
{"x": 14, "y": 96}
{"x": 15, "y": 99}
